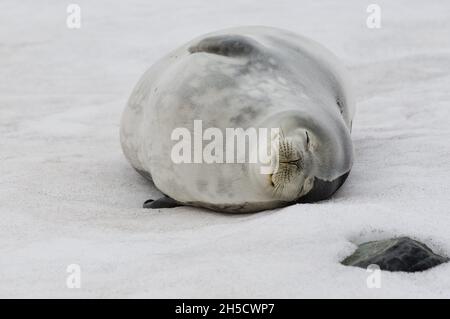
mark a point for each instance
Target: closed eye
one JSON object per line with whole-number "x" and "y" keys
{"x": 307, "y": 138}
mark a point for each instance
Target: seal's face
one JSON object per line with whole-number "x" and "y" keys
{"x": 292, "y": 177}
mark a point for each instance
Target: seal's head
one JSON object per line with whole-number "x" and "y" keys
{"x": 306, "y": 155}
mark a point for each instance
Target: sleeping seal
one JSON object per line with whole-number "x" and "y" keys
{"x": 247, "y": 77}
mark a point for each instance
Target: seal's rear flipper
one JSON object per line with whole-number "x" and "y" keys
{"x": 226, "y": 45}
{"x": 163, "y": 202}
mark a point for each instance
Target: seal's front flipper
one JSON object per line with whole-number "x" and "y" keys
{"x": 226, "y": 45}
{"x": 323, "y": 189}
{"x": 163, "y": 202}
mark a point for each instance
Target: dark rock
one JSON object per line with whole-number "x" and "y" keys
{"x": 397, "y": 254}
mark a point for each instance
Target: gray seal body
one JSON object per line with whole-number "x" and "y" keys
{"x": 247, "y": 77}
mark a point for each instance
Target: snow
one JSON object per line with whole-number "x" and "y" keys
{"x": 68, "y": 195}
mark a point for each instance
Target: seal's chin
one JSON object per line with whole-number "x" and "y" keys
{"x": 290, "y": 182}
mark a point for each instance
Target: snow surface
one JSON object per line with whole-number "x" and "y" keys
{"x": 68, "y": 196}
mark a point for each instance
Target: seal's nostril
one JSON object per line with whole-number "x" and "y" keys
{"x": 297, "y": 162}
{"x": 293, "y": 162}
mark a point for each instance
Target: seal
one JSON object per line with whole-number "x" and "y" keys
{"x": 246, "y": 77}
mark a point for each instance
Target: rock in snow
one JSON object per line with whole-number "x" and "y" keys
{"x": 396, "y": 254}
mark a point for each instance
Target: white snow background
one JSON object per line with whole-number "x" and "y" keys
{"x": 68, "y": 196}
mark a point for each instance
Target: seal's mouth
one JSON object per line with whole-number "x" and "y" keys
{"x": 288, "y": 173}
